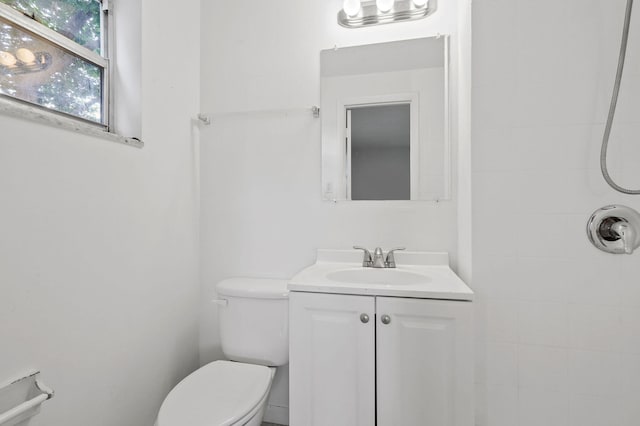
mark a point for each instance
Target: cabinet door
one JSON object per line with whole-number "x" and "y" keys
{"x": 332, "y": 360}
{"x": 424, "y": 362}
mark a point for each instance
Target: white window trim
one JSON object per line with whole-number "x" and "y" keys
{"x": 41, "y": 30}
{"x": 15, "y": 107}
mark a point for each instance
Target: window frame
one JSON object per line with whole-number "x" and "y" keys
{"x": 28, "y": 24}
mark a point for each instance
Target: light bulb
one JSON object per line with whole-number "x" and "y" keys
{"x": 384, "y": 5}
{"x": 7, "y": 59}
{"x": 351, "y": 7}
{"x": 420, "y": 3}
{"x": 25, "y": 55}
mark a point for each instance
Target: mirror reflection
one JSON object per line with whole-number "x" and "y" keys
{"x": 384, "y": 121}
{"x": 380, "y": 154}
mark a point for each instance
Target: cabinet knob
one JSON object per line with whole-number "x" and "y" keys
{"x": 364, "y": 318}
{"x": 386, "y": 319}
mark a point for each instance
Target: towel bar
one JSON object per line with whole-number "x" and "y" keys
{"x": 31, "y": 404}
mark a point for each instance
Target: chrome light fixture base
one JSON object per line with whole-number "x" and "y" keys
{"x": 402, "y": 10}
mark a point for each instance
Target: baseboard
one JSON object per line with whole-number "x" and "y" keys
{"x": 277, "y": 414}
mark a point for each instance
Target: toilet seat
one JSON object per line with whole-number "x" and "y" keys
{"x": 222, "y": 393}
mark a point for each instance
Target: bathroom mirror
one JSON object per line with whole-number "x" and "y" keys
{"x": 385, "y": 121}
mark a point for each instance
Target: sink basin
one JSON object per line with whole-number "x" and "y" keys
{"x": 377, "y": 276}
{"x": 419, "y": 275}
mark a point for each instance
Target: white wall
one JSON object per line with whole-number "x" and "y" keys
{"x": 559, "y": 342}
{"x": 98, "y": 247}
{"x": 262, "y": 213}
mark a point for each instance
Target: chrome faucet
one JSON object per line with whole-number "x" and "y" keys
{"x": 378, "y": 260}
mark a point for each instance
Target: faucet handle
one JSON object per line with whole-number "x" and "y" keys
{"x": 390, "y": 261}
{"x": 615, "y": 229}
{"x": 367, "y": 260}
{"x": 626, "y": 234}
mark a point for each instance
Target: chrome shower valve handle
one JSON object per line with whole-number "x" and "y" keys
{"x": 615, "y": 229}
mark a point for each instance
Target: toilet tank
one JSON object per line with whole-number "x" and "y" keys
{"x": 254, "y": 320}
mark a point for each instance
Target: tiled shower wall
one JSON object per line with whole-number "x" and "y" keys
{"x": 558, "y": 320}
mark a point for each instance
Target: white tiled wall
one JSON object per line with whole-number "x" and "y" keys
{"x": 558, "y": 320}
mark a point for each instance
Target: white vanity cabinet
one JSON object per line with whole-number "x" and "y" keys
{"x": 331, "y": 360}
{"x": 424, "y": 362}
{"x": 358, "y": 360}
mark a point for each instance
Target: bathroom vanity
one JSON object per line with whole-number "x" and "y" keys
{"x": 386, "y": 347}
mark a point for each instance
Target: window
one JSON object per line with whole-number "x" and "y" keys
{"x": 53, "y": 55}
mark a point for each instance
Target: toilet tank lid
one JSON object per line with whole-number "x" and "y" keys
{"x": 254, "y": 288}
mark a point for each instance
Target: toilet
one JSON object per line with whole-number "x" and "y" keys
{"x": 254, "y": 333}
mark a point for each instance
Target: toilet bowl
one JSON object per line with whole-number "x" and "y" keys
{"x": 222, "y": 393}
{"x": 253, "y": 322}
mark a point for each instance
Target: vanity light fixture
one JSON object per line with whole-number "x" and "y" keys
{"x": 351, "y": 7}
{"x": 357, "y": 13}
{"x": 25, "y": 56}
{"x": 24, "y": 61}
{"x": 7, "y": 59}
{"x": 384, "y": 6}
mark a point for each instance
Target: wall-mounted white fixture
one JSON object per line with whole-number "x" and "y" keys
{"x": 357, "y": 13}
{"x": 20, "y": 398}
{"x": 207, "y": 119}
{"x": 615, "y": 229}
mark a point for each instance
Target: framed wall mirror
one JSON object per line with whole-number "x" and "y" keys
{"x": 385, "y": 121}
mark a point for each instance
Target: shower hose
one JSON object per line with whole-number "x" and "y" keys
{"x": 614, "y": 102}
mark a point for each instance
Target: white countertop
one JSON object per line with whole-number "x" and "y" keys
{"x": 440, "y": 282}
